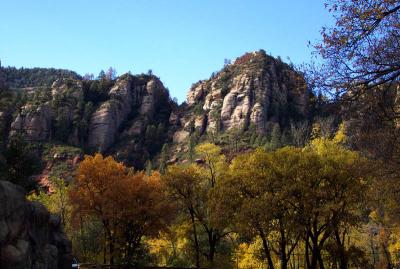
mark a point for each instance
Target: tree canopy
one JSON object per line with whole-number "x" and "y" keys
{"x": 361, "y": 51}
{"x": 129, "y": 204}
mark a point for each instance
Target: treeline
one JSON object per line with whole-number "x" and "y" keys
{"x": 294, "y": 207}
{"x": 33, "y": 77}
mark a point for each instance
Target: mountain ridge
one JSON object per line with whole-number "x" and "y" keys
{"x": 133, "y": 116}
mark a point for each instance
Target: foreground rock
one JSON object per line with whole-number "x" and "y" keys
{"x": 30, "y": 237}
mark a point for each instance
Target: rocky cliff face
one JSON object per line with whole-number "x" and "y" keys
{"x": 36, "y": 119}
{"x": 66, "y": 113}
{"x": 35, "y": 122}
{"x": 130, "y": 99}
{"x": 255, "y": 91}
{"x": 135, "y": 116}
{"x": 29, "y": 236}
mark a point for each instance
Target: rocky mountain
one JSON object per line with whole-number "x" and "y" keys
{"x": 69, "y": 113}
{"x": 133, "y": 116}
{"x": 251, "y": 102}
{"x": 30, "y": 237}
{"x": 254, "y": 92}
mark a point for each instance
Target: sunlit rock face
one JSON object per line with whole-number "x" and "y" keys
{"x": 34, "y": 122}
{"x": 255, "y": 90}
{"x": 36, "y": 119}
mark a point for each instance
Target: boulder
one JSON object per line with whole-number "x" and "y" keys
{"x": 180, "y": 136}
{"x": 30, "y": 237}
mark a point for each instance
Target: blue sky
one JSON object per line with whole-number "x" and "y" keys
{"x": 182, "y": 41}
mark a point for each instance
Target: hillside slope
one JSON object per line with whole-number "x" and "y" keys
{"x": 133, "y": 116}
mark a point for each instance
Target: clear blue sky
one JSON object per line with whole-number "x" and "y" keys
{"x": 182, "y": 41}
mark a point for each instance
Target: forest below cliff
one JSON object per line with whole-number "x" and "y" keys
{"x": 265, "y": 165}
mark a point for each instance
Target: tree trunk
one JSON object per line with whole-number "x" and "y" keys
{"x": 307, "y": 263}
{"x": 266, "y": 249}
{"x": 387, "y": 256}
{"x": 196, "y": 241}
{"x": 212, "y": 242}
{"x": 111, "y": 250}
{"x": 282, "y": 248}
{"x": 320, "y": 260}
{"x": 314, "y": 253}
{"x": 105, "y": 249}
{"x": 342, "y": 252}
{"x": 110, "y": 242}
{"x": 373, "y": 252}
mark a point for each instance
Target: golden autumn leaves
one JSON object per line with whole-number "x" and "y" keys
{"x": 129, "y": 204}
{"x": 294, "y": 200}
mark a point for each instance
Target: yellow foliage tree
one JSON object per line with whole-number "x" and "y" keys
{"x": 129, "y": 205}
{"x": 192, "y": 187}
{"x": 311, "y": 194}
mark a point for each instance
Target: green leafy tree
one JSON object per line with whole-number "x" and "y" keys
{"x": 56, "y": 200}
{"x": 20, "y": 162}
{"x": 102, "y": 75}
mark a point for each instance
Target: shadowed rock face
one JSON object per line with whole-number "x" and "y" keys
{"x": 30, "y": 237}
{"x": 255, "y": 90}
{"x": 129, "y": 98}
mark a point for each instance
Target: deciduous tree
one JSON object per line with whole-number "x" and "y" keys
{"x": 193, "y": 186}
{"x": 362, "y": 50}
{"x": 129, "y": 204}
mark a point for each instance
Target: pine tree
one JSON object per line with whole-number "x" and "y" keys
{"x": 276, "y": 137}
{"x": 253, "y": 139}
{"x": 102, "y": 75}
{"x": 149, "y": 167}
{"x": 191, "y": 148}
{"x": 163, "y": 159}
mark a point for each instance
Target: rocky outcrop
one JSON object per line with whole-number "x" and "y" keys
{"x": 253, "y": 91}
{"x": 30, "y": 237}
{"x": 133, "y": 102}
{"x": 35, "y": 121}
{"x": 68, "y": 88}
{"x": 109, "y": 116}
